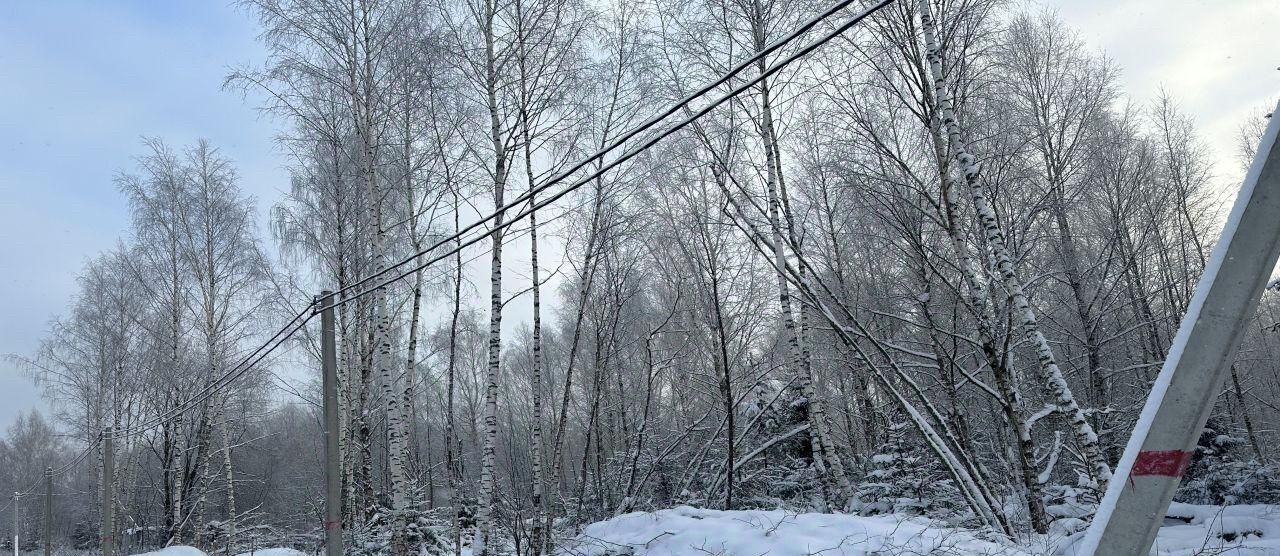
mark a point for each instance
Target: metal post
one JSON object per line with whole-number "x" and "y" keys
{"x": 48, "y": 511}
{"x": 1197, "y": 366}
{"x": 332, "y": 459}
{"x": 107, "y": 537}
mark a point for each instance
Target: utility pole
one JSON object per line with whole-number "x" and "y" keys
{"x": 107, "y": 536}
{"x": 332, "y": 459}
{"x": 48, "y": 511}
{"x": 16, "y": 496}
{"x": 1198, "y": 363}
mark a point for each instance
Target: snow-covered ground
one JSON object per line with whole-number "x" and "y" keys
{"x": 191, "y": 551}
{"x": 1244, "y": 529}
{"x": 698, "y": 532}
{"x": 1252, "y": 530}
{"x": 175, "y": 551}
{"x": 276, "y": 552}
{"x": 685, "y": 531}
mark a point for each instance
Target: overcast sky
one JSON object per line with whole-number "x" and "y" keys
{"x": 81, "y": 82}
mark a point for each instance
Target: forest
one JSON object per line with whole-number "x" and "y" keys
{"x": 895, "y": 258}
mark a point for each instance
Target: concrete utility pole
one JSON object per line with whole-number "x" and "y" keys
{"x": 16, "y": 496}
{"x": 332, "y": 459}
{"x": 1196, "y": 368}
{"x": 48, "y": 511}
{"x": 107, "y": 536}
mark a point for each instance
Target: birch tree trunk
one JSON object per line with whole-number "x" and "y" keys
{"x": 978, "y": 300}
{"x": 228, "y": 476}
{"x": 585, "y": 283}
{"x": 178, "y": 470}
{"x": 536, "y": 543}
{"x": 817, "y": 293}
{"x": 825, "y": 458}
{"x": 409, "y": 430}
{"x": 1054, "y": 383}
{"x": 451, "y": 455}
{"x": 484, "y": 515}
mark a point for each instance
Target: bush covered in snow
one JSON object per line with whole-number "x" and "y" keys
{"x": 902, "y": 479}
{"x": 426, "y": 530}
{"x": 1223, "y": 471}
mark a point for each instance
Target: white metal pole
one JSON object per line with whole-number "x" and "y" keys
{"x": 1197, "y": 365}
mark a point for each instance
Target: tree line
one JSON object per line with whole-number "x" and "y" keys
{"x": 932, "y": 268}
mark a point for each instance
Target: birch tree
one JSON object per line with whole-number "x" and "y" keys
{"x": 1054, "y": 383}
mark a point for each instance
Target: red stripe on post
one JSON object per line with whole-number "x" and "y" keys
{"x": 330, "y": 525}
{"x": 1161, "y": 463}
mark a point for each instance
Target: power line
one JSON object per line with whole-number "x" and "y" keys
{"x": 624, "y": 157}
{"x": 248, "y": 362}
{"x": 644, "y": 126}
{"x": 226, "y": 379}
{"x": 63, "y": 469}
{"x": 303, "y": 317}
{"x": 279, "y": 338}
{"x": 300, "y": 320}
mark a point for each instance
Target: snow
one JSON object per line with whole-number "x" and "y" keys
{"x": 1161, "y": 386}
{"x": 883, "y": 459}
{"x": 1191, "y": 530}
{"x": 275, "y": 552}
{"x": 178, "y": 550}
{"x": 1243, "y": 529}
{"x": 699, "y": 532}
{"x": 181, "y": 550}
{"x": 685, "y": 531}
{"x": 1240, "y": 530}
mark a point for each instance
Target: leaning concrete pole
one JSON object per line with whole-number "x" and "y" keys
{"x": 332, "y": 458}
{"x": 1197, "y": 365}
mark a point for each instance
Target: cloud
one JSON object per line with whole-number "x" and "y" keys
{"x": 1216, "y": 58}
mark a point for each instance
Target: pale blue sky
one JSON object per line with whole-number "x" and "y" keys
{"x": 81, "y": 81}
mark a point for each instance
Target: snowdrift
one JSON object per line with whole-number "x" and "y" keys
{"x": 1252, "y": 530}
{"x": 1243, "y": 529}
{"x": 178, "y": 550}
{"x": 192, "y": 551}
{"x": 1189, "y": 529}
{"x": 696, "y": 532}
{"x": 276, "y": 552}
